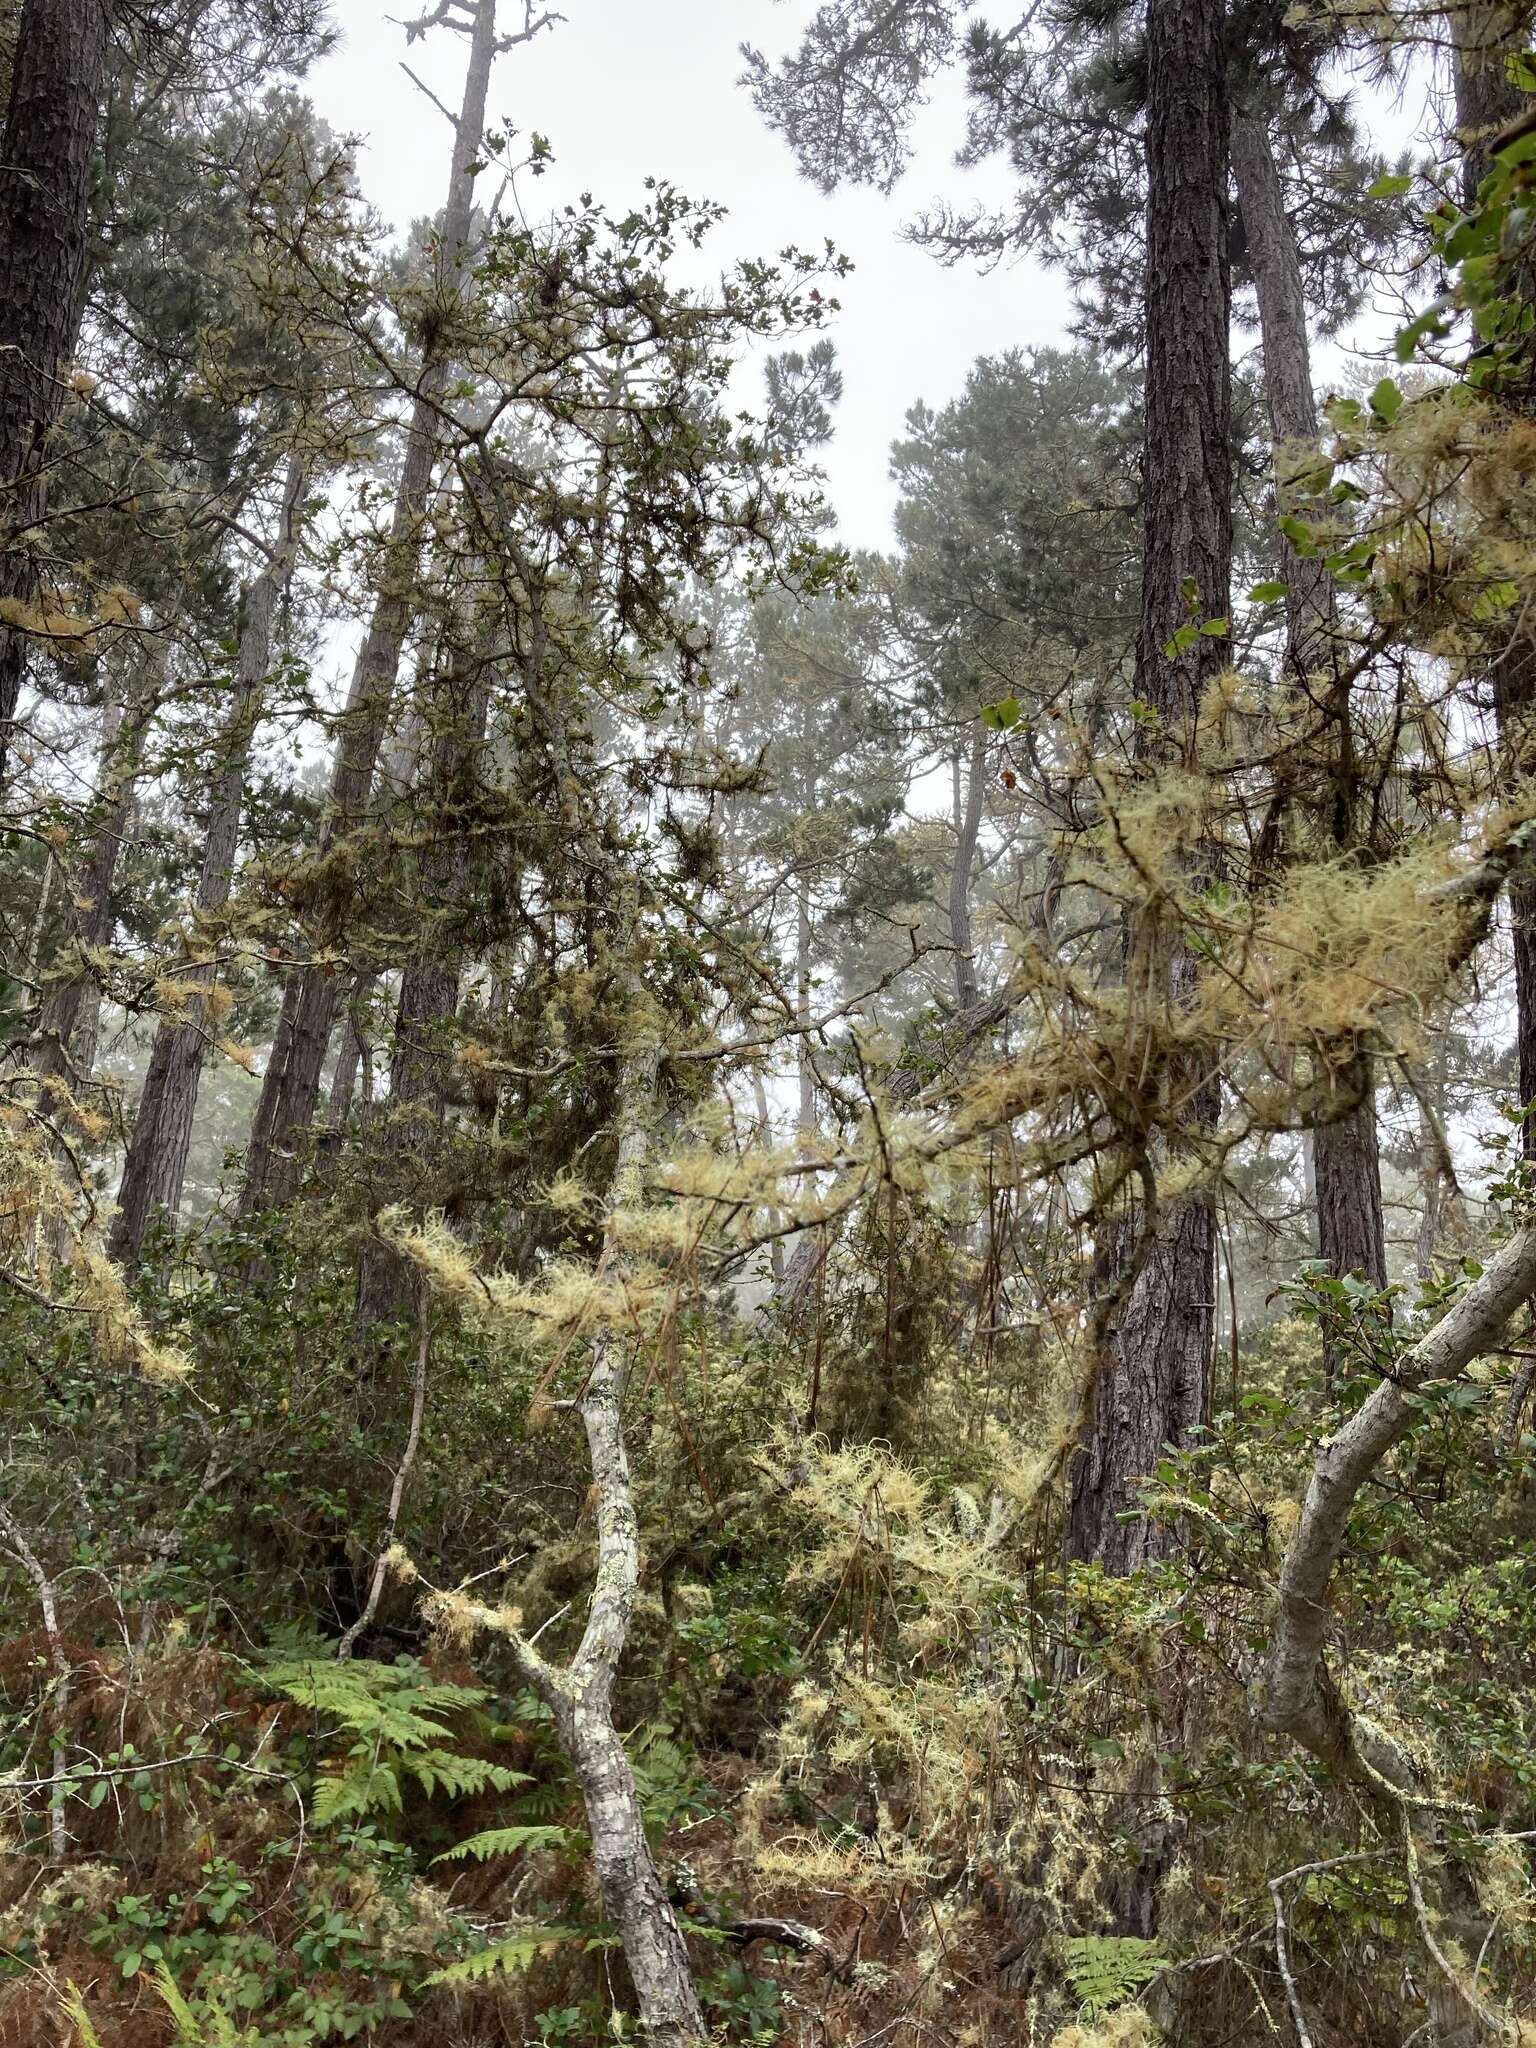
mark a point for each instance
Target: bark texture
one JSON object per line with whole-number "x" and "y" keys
{"x": 429, "y": 986}
{"x": 69, "y": 1016}
{"x": 1487, "y": 101}
{"x": 580, "y": 1695}
{"x": 967, "y": 832}
{"x": 291, "y": 1084}
{"x": 1350, "y": 1219}
{"x": 1153, "y": 1377}
{"x": 1299, "y": 1696}
{"x": 156, "y": 1164}
{"x": 45, "y": 185}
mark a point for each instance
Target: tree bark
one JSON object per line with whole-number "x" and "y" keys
{"x": 1298, "y": 1694}
{"x": 632, "y": 1891}
{"x": 46, "y": 159}
{"x": 291, "y": 1084}
{"x": 1486, "y": 101}
{"x": 1350, "y": 1220}
{"x": 967, "y": 832}
{"x": 580, "y": 1695}
{"x": 804, "y": 1071}
{"x": 429, "y": 986}
{"x": 69, "y": 1015}
{"x": 156, "y": 1164}
{"x": 1153, "y": 1380}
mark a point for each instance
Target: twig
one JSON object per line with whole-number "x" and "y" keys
{"x": 396, "y": 1492}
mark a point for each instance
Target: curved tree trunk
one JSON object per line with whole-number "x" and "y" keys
{"x": 156, "y": 1164}
{"x": 1350, "y": 1220}
{"x": 291, "y": 1085}
{"x": 1153, "y": 1378}
{"x": 46, "y": 158}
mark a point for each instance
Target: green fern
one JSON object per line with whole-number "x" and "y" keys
{"x": 515, "y": 1955}
{"x": 509, "y": 1841}
{"x": 74, "y": 2011}
{"x": 216, "y": 2030}
{"x": 399, "y": 1720}
{"x": 1106, "y": 1970}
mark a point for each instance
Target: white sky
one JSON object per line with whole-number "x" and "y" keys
{"x": 624, "y": 90}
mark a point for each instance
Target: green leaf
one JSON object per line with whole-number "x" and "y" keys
{"x": 1267, "y": 593}
{"x": 1182, "y": 641}
{"x": 1215, "y": 629}
{"x": 1298, "y": 533}
{"x": 1386, "y": 401}
{"x": 1392, "y": 186}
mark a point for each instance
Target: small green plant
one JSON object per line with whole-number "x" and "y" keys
{"x": 398, "y": 1717}
{"x": 1108, "y": 1970}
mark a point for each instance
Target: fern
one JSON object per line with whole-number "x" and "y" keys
{"x": 387, "y": 1703}
{"x": 74, "y": 2011}
{"x": 1107, "y": 1970}
{"x": 509, "y": 1841}
{"x": 397, "y": 1717}
{"x": 515, "y": 1955}
{"x": 459, "y": 1776}
{"x": 217, "y": 2030}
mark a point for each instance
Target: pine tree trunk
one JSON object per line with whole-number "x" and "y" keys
{"x": 1154, "y": 1378}
{"x": 967, "y": 832}
{"x": 291, "y": 1085}
{"x": 1486, "y": 101}
{"x": 429, "y": 987}
{"x": 1350, "y": 1219}
{"x": 156, "y": 1164}
{"x": 804, "y": 1070}
{"x": 46, "y": 157}
{"x": 69, "y": 1016}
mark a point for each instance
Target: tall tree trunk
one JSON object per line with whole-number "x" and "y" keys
{"x": 68, "y": 1017}
{"x": 291, "y": 1085}
{"x": 429, "y": 986}
{"x": 156, "y": 1164}
{"x": 1153, "y": 1385}
{"x": 46, "y": 157}
{"x": 1486, "y": 101}
{"x": 1350, "y": 1220}
{"x": 804, "y": 1070}
{"x": 967, "y": 832}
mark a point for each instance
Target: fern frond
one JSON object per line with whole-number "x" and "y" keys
{"x": 74, "y": 2011}
{"x": 509, "y": 1841}
{"x": 1107, "y": 1970}
{"x": 439, "y": 1771}
{"x": 214, "y": 2030}
{"x": 515, "y": 1955}
{"x": 355, "y": 1791}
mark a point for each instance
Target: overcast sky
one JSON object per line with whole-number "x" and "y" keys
{"x": 624, "y": 90}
